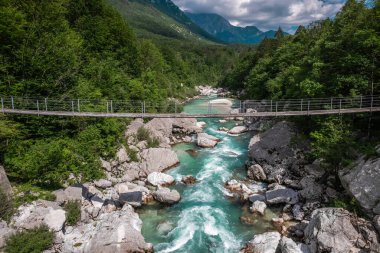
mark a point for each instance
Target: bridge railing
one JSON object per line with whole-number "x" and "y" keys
{"x": 204, "y": 106}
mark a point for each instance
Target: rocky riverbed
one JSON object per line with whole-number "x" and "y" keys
{"x": 302, "y": 190}
{"x": 275, "y": 202}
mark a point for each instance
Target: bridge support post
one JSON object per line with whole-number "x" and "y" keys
{"x": 144, "y": 108}
{"x": 276, "y": 108}
{"x": 13, "y": 103}
{"x": 371, "y": 103}
{"x": 78, "y": 106}
{"x": 111, "y": 107}
{"x": 301, "y": 105}
{"x": 2, "y": 105}
{"x": 361, "y": 102}
{"x": 108, "y": 107}
{"x": 46, "y": 104}
{"x": 340, "y": 106}
{"x": 331, "y": 103}
{"x": 72, "y": 105}
{"x": 175, "y": 107}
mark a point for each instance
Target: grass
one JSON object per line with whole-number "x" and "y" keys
{"x": 31, "y": 193}
{"x": 144, "y": 135}
{"x": 73, "y": 212}
{"x": 30, "y": 241}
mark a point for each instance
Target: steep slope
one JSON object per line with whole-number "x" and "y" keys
{"x": 219, "y": 27}
{"x": 159, "y": 19}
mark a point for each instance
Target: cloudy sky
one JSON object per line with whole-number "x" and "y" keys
{"x": 266, "y": 14}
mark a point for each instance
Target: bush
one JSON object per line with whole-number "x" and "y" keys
{"x": 73, "y": 212}
{"x": 6, "y": 206}
{"x": 142, "y": 134}
{"x": 30, "y": 241}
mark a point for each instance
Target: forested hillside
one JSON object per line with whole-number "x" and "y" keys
{"x": 329, "y": 58}
{"x": 85, "y": 49}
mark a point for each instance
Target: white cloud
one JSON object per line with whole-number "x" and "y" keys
{"x": 266, "y": 14}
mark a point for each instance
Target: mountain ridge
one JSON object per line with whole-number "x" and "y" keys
{"x": 222, "y": 29}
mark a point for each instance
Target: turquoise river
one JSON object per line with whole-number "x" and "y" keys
{"x": 207, "y": 219}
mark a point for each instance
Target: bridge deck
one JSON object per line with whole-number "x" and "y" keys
{"x": 184, "y": 115}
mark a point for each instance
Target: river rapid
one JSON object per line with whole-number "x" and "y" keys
{"x": 207, "y": 219}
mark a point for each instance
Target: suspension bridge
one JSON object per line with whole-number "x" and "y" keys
{"x": 219, "y": 108}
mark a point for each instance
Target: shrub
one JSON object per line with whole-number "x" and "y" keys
{"x": 142, "y": 134}
{"x": 73, "y": 212}
{"x": 6, "y": 206}
{"x": 30, "y": 241}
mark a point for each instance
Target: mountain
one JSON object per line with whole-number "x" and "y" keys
{"x": 160, "y": 19}
{"x": 222, "y": 29}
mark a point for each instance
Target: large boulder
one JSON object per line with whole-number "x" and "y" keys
{"x": 281, "y": 195}
{"x": 264, "y": 243}
{"x": 275, "y": 146}
{"x": 338, "y": 231}
{"x": 4, "y": 182}
{"x": 157, "y": 160}
{"x": 38, "y": 213}
{"x": 165, "y": 195}
{"x": 206, "y": 141}
{"x": 362, "y": 180}
{"x": 162, "y": 179}
{"x": 116, "y": 232}
{"x": 256, "y": 172}
{"x": 287, "y": 245}
{"x": 72, "y": 193}
{"x": 238, "y": 130}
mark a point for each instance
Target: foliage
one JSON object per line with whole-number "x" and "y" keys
{"x": 73, "y": 212}
{"x": 350, "y": 204}
{"x": 6, "y": 207}
{"x": 30, "y": 241}
{"x": 50, "y": 160}
{"x": 329, "y": 58}
{"x": 332, "y": 142}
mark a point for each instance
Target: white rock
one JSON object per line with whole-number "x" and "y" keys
{"x": 238, "y": 130}
{"x": 116, "y": 232}
{"x": 122, "y": 155}
{"x": 201, "y": 124}
{"x": 121, "y": 188}
{"x": 206, "y": 141}
{"x": 259, "y": 207}
{"x": 38, "y": 213}
{"x": 165, "y": 195}
{"x": 265, "y": 243}
{"x": 157, "y": 160}
{"x": 157, "y": 178}
{"x": 102, "y": 183}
